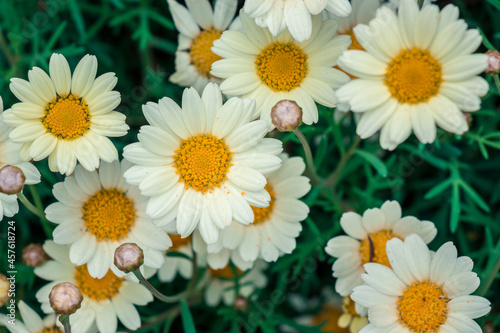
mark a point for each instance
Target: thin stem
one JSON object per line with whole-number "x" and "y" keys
{"x": 156, "y": 293}
{"x": 497, "y": 82}
{"x": 334, "y": 177}
{"x": 309, "y": 158}
{"x": 491, "y": 278}
{"x": 30, "y": 206}
{"x": 64, "y": 319}
{"x": 194, "y": 276}
{"x": 39, "y": 205}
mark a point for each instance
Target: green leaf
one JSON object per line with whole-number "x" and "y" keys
{"x": 76, "y": 13}
{"x": 474, "y": 196}
{"x": 187, "y": 318}
{"x": 456, "y": 207}
{"x": 438, "y": 189}
{"x": 376, "y": 162}
{"x": 319, "y": 157}
{"x": 494, "y": 3}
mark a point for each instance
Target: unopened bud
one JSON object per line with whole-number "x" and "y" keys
{"x": 468, "y": 117}
{"x": 241, "y": 303}
{"x": 65, "y": 298}
{"x": 11, "y": 179}
{"x": 128, "y": 257}
{"x": 34, "y": 255}
{"x": 493, "y": 62}
{"x": 4, "y": 290}
{"x": 286, "y": 115}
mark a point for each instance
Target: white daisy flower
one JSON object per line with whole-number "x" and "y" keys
{"x": 199, "y": 27}
{"x": 296, "y": 15}
{"x": 417, "y": 72}
{"x": 270, "y": 69}
{"x": 423, "y": 292}
{"x": 202, "y": 165}
{"x": 275, "y": 227}
{"x": 97, "y": 212}
{"x": 9, "y": 155}
{"x": 104, "y": 300}
{"x": 222, "y": 283}
{"x": 366, "y": 240}
{"x": 66, "y": 117}
{"x": 32, "y": 323}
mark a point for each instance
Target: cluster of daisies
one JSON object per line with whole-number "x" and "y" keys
{"x": 203, "y": 180}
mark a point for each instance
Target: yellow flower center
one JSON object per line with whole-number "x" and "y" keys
{"x": 282, "y": 67}
{"x": 67, "y": 118}
{"x": 372, "y": 248}
{"x": 201, "y": 53}
{"x": 97, "y": 289}
{"x": 202, "y": 162}
{"x": 53, "y": 329}
{"x": 348, "y": 306}
{"x": 261, "y": 215}
{"x": 225, "y": 273}
{"x": 177, "y": 242}
{"x": 330, "y": 316}
{"x": 423, "y": 307}
{"x": 109, "y": 214}
{"x": 413, "y": 76}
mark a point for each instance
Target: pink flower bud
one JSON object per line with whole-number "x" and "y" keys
{"x": 65, "y": 298}
{"x": 11, "y": 179}
{"x": 128, "y": 257}
{"x": 34, "y": 255}
{"x": 493, "y": 62}
{"x": 286, "y": 115}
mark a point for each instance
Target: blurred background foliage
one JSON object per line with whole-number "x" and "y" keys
{"x": 454, "y": 182}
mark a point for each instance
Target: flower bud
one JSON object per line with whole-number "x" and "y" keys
{"x": 34, "y": 255}
{"x": 493, "y": 62}
{"x": 65, "y": 298}
{"x": 4, "y": 290}
{"x": 11, "y": 179}
{"x": 128, "y": 257}
{"x": 468, "y": 117}
{"x": 286, "y": 115}
{"x": 241, "y": 303}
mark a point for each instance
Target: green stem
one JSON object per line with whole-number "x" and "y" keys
{"x": 194, "y": 275}
{"x": 491, "y": 278}
{"x": 30, "y": 206}
{"x": 309, "y": 158}
{"x": 497, "y": 82}
{"x": 39, "y": 205}
{"x": 64, "y": 319}
{"x": 334, "y": 177}
{"x": 156, "y": 293}
{"x": 5, "y": 49}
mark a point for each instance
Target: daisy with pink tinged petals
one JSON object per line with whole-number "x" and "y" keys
{"x": 296, "y": 15}
{"x": 67, "y": 117}
{"x": 417, "y": 71}
{"x": 422, "y": 292}
{"x": 98, "y": 211}
{"x": 202, "y": 165}
{"x": 366, "y": 239}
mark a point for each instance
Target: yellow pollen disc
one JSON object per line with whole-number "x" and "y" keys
{"x": 423, "y": 307}
{"x": 372, "y": 248}
{"x": 330, "y": 316}
{"x": 262, "y": 214}
{"x": 177, "y": 242}
{"x": 201, "y": 55}
{"x": 282, "y": 67}
{"x": 226, "y": 272}
{"x": 413, "y": 76}
{"x": 109, "y": 214}
{"x": 53, "y": 329}
{"x": 202, "y": 162}
{"x": 67, "y": 118}
{"x": 97, "y": 289}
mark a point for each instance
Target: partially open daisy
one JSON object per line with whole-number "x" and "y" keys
{"x": 104, "y": 300}
{"x": 270, "y": 69}
{"x": 417, "y": 72}
{"x": 366, "y": 240}
{"x": 202, "y": 165}
{"x": 277, "y": 15}
{"x": 9, "y": 155}
{"x": 66, "y": 117}
{"x": 423, "y": 292}
{"x": 199, "y": 26}
{"x": 97, "y": 212}
{"x": 223, "y": 282}
{"x": 32, "y": 323}
{"x": 275, "y": 227}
